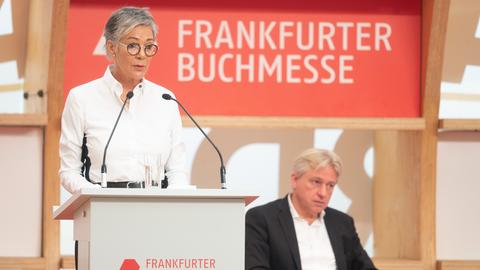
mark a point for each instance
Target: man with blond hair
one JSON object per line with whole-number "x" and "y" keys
{"x": 300, "y": 231}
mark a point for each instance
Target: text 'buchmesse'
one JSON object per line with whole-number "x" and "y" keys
{"x": 278, "y": 51}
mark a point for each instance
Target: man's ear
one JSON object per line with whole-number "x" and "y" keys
{"x": 293, "y": 180}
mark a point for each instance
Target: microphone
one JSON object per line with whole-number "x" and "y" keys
{"x": 222, "y": 166}
{"x": 104, "y": 166}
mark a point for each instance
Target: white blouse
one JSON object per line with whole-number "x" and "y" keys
{"x": 147, "y": 139}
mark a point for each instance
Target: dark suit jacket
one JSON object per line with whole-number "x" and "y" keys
{"x": 271, "y": 242}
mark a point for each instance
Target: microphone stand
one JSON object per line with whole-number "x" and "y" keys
{"x": 104, "y": 166}
{"x": 222, "y": 166}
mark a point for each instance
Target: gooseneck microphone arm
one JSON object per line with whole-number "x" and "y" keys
{"x": 222, "y": 166}
{"x": 104, "y": 166}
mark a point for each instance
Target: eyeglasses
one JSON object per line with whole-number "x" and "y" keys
{"x": 134, "y": 49}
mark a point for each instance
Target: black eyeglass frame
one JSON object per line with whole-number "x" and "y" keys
{"x": 137, "y": 47}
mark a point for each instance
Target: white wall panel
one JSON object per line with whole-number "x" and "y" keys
{"x": 21, "y": 191}
{"x": 458, "y": 196}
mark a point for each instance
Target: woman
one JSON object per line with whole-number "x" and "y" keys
{"x": 147, "y": 141}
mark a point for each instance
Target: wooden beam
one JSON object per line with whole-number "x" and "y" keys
{"x": 435, "y": 15}
{"x": 308, "y": 122}
{"x": 23, "y": 119}
{"x": 14, "y": 263}
{"x": 68, "y": 262}
{"x": 458, "y": 265}
{"x": 460, "y": 124}
{"x": 51, "y": 182}
{"x": 397, "y": 264}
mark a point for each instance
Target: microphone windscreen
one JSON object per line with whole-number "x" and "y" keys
{"x": 129, "y": 94}
{"x": 166, "y": 96}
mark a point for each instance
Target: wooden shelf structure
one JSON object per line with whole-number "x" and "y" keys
{"x": 405, "y": 149}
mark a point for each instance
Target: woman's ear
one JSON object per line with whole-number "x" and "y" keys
{"x": 110, "y": 49}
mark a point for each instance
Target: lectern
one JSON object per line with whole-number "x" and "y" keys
{"x": 132, "y": 229}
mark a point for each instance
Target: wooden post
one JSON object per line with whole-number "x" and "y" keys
{"x": 435, "y": 18}
{"x": 405, "y": 162}
{"x": 51, "y": 182}
{"x": 396, "y": 194}
{"x": 38, "y": 51}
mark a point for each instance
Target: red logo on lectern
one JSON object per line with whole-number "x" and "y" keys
{"x": 130, "y": 264}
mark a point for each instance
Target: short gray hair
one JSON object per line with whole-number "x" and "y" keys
{"x": 313, "y": 158}
{"x": 123, "y": 20}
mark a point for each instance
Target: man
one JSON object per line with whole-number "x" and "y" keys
{"x": 300, "y": 231}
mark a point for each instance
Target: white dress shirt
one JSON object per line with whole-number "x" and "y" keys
{"x": 313, "y": 242}
{"x": 147, "y": 139}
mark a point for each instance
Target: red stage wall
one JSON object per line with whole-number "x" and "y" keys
{"x": 271, "y": 58}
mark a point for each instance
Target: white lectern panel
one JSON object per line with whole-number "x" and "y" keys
{"x": 158, "y": 229}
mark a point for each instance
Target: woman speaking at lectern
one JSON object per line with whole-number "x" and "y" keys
{"x": 146, "y": 144}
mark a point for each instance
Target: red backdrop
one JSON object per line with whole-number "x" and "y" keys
{"x": 379, "y": 40}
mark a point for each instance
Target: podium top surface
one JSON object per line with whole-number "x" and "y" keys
{"x": 67, "y": 209}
